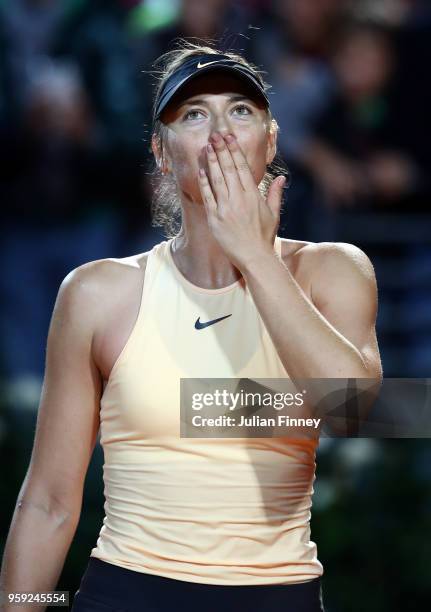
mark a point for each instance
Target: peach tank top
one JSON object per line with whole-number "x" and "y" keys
{"x": 226, "y": 511}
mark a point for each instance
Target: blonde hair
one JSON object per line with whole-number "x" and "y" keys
{"x": 165, "y": 200}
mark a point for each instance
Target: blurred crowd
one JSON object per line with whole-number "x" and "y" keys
{"x": 350, "y": 92}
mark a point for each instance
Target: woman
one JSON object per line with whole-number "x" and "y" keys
{"x": 193, "y": 523}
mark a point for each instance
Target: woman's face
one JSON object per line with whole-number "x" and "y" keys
{"x": 211, "y": 103}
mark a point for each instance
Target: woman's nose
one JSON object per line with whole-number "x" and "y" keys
{"x": 219, "y": 132}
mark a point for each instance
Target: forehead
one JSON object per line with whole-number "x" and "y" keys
{"x": 214, "y": 82}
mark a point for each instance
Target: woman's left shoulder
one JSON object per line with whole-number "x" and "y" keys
{"x": 329, "y": 259}
{"x": 341, "y": 254}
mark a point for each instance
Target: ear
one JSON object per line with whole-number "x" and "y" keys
{"x": 271, "y": 148}
{"x": 157, "y": 149}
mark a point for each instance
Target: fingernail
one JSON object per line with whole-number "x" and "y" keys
{"x": 230, "y": 138}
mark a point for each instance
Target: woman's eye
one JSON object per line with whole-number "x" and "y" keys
{"x": 187, "y": 115}
{"x": 191, "y": 112}
{"x": 244, "y": 106}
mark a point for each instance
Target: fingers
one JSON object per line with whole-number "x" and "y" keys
{"x": 216, "y": 175}
{"x": 228, "y": 172}
{"x": 244, "y": 173}
{"x": 207, "y": 193}
{"x": 222, "y": 162}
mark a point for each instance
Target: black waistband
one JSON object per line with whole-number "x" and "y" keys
{"x": 128, "y": 589}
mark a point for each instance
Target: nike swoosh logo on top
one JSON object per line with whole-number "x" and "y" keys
{"x": 199, "y": 325}
{"x": 206, "y": 64}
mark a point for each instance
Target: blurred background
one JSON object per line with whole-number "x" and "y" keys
{"x": 351, "y": 94}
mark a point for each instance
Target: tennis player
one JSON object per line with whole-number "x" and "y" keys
{"x": 193, "y": 523}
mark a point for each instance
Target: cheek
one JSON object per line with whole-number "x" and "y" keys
{"x": 255, "y": 154}
{"x": 186, "y": 159}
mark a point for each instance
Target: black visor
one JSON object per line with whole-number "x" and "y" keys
{"x": 199, "y": 64}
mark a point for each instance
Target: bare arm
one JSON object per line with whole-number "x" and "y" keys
{"x": 49, "y": 502}
{"x": 331, "y": 337}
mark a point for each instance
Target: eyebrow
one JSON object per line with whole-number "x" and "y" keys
{"x": 235, "y": 98}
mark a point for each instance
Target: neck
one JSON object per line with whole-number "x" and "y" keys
{"x": 197, "y": 253}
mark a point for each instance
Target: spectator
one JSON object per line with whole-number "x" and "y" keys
{"x": 96, "y": 39}
{"x": 56, "y": 211}
{"x": 358, "y": 155}
{"x": 366, "y": 156}
{"x": 27, "y": 28}
{"x": 293, "y": 47}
